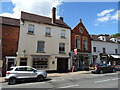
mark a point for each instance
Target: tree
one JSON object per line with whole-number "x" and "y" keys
{"x": 116, "y": 35}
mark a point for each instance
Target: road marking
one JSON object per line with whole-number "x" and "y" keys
{"x": 106, "y": 80}
{"x": 69, "y": 86}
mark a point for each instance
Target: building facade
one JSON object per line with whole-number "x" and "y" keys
{"x": 9, "y": 42}
{"x": 105, "y": 49}
{"x": 80, "y": 47}
{"x": 44, "y": 42}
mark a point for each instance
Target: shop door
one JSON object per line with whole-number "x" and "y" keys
{"x": 62, "y": 64}
{"x": 10, "y": 63}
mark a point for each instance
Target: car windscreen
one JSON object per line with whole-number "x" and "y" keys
{"x": 10, "y": 69}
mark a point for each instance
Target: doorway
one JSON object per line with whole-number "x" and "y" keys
{"x": 62, "y": 64}
{"x": 11, "y": 63}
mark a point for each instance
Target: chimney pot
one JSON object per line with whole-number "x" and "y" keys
{"x": 61, "y": 18}
{"x": 53, "y": 15}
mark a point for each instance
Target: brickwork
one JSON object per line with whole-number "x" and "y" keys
{"x": 75, "y": 33}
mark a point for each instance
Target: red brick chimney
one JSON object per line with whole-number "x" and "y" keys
{"x": 53, "y": 15}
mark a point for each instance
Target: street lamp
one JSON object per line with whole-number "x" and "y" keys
{"x": 24, "y": 51}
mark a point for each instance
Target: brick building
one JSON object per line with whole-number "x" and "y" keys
{"x": 9, "y": 41}
{"x": 80, "y": 47}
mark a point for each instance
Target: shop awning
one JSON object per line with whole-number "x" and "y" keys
{"x": 115, "y": 56}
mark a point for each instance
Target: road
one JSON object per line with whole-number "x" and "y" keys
{"x": 109, "y": 80}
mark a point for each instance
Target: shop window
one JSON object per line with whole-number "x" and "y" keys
{"x": 23, "y": 61}
{"x": 40, "y": 62}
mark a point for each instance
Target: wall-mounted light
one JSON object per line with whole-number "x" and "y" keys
{"x": 24, "y": 51}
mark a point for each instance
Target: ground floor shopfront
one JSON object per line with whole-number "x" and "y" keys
{"x": 111, "y": 59}
{"x": 45, "y": 62}
{"x": 81, "y": 61}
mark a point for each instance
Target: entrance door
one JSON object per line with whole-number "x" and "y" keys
{"x": 62, "y": 64}
{"x": 10, "y": 63}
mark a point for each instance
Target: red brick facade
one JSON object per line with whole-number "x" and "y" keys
{"x": 10, "y": 36}
{"x": 80, "y": 40}
{"x": 75, "y": 33}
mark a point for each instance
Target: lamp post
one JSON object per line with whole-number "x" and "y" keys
{"x": 24, "y": 51}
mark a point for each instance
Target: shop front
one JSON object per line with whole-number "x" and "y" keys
{"x": 81, "y": 61}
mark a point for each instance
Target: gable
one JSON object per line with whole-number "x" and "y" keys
{"x": 80, "y": 29}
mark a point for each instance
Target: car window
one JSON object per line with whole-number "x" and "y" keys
{"x": 20, "y": 69}
{"x": 29, "y": 69}
{"x": 10, "y": 69}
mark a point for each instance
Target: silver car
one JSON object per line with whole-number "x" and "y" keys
{"x": 17, "y": 73}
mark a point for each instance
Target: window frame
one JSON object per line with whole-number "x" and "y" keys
{"x": 61, "y": 46}
{"x": 77, "y": 43}
{"x": 104, "y": 50}
{"x": 48, "y": 31}
{"x": 40, "y": 48}
{"x": 85, "y": 47}
{"x": 94, "y": 49}
{"x": 63, "y": 33}
{"x": 31, "y": 28}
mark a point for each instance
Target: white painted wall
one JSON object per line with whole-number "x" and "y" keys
{"x": 110, "y": 48}
{"x": 29, "y": 42}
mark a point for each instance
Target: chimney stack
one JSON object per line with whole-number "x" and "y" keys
{"x": 61, "y": 18}
{"x": 53, "y": 15}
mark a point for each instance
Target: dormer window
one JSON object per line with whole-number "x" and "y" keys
{"x": 114, "y": 39}
{"x": 103, "y": 38}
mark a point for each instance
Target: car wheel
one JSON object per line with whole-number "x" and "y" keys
{"x": 12, "y": 81}
{"x": 40, "y": 78}
{"x": 101, "y": 72}
{"x": 113, "y": 70}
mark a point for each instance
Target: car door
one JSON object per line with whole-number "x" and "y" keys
{"x": 30, "y": 72}
{"x": 108, "y": 68}
{"x": 20, "y": 72}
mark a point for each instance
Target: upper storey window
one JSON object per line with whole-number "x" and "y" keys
{"x": 31, "y": 29}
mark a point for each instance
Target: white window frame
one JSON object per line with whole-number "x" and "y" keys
{"x": 48, "y": 31}
{"x": 63, "y": 33}
{"x": 31, "y": 28}
{"x": 62, "y": 45}
{"x": 40, "y": 48}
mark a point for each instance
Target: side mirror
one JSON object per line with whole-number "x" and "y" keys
{"x": 34, "y": 71}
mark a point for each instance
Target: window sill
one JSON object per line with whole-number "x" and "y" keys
{"x": 48, "y": 36}
{"x": 62, "y": 53}
{"x": 30, "y": 33}
{"x": 40, "y": 52}
{"x": 63, "y": 37}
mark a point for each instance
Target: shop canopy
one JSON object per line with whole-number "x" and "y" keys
{"x": 115, "y": 56}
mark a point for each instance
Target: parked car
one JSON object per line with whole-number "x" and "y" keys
{"x": 101, "y": 68}
{"x": 18, "y": 73}
{"x": 117, "y": 67}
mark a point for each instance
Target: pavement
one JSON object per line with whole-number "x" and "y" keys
{"x": 2, "y": 79}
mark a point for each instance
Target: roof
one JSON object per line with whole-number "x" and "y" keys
{"x": 95, "y": 38}
{"x": 42, "y": 19}
{"x": 10, "y": 21}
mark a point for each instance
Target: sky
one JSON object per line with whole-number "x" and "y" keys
{"x": 98, "y": 17}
